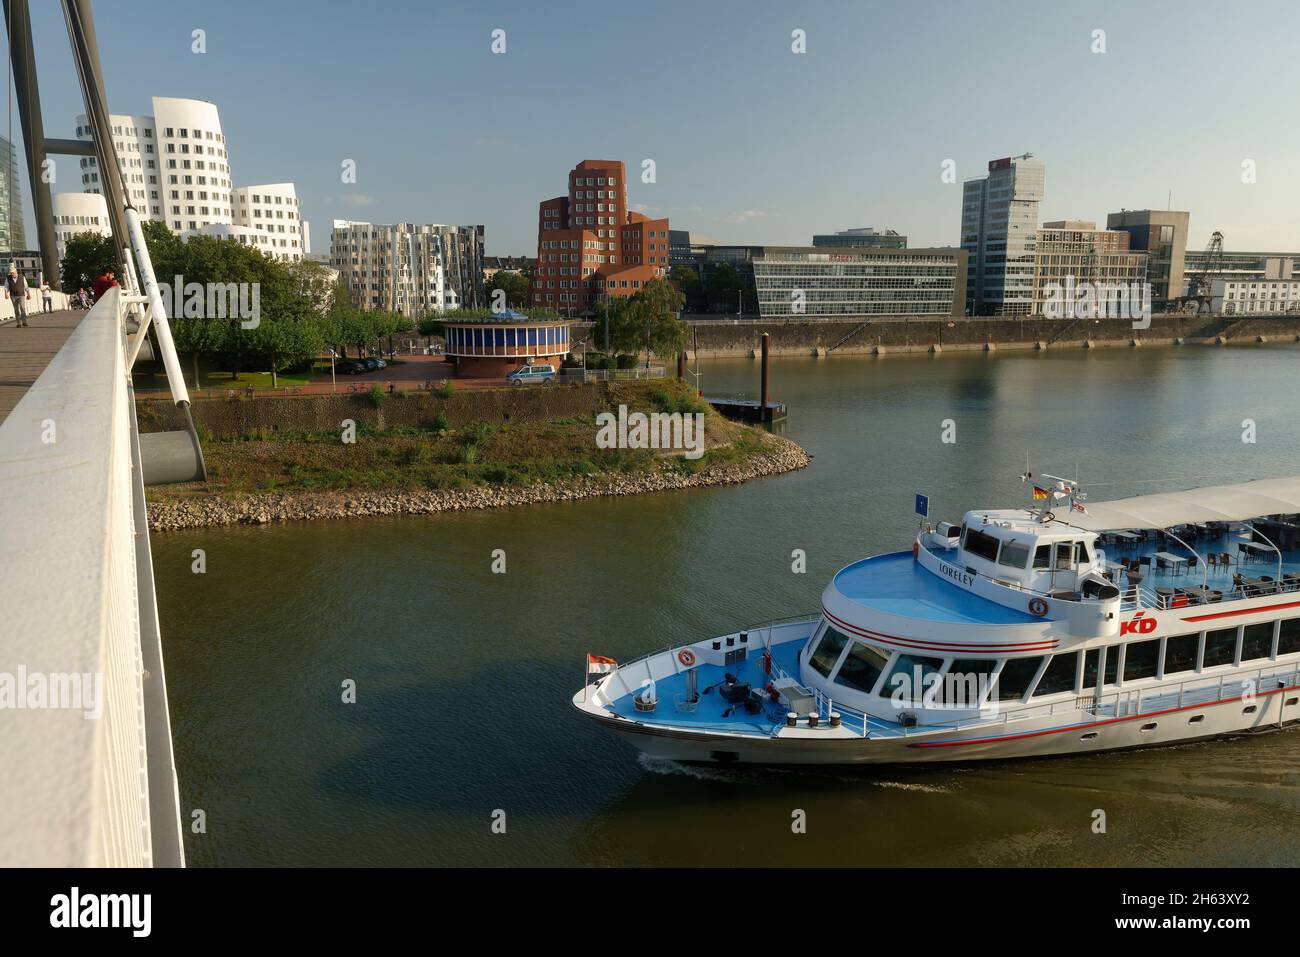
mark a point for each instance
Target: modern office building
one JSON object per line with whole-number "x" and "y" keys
{"x": 590, "y": 246}
{"x": 680, "y": 252}
{"x": 273, "y": 209}
{"x": 78, "y": 213}
{"x": 1258, "y": 297}
{"x": 176, "y": 170}
{"x": 28, "y": 264}
{"x": 13, "y": 235}
{"x": 810, "y": 282}
{"x": 1240, "y": 266}
{"x": 864, "y": 236}
{"x": 999, "y": 220}
{"x": 1162, "y": 235}
{"x": 408, "y": 268}
{"x": 1073, "y": 252}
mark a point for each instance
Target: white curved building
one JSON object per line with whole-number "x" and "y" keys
{"x": 176, "y": 170}
{"x": 78, "y": 213}
{"x": 273, "y": 209}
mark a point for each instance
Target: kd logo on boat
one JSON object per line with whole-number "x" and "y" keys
{"x": 1138, "y": 625}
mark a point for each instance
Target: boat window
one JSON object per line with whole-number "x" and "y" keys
{"x": 1059, "y": 675}
{"x": 1013, "y": 680}
{"x": 981, "y": 545}
{"x": 1090, "y": 666}
{"x": 966, "y": 680}
{"x": 1220, "y": 647}
{"x": 1288, "y": 640}
{"x": 1141, "y": 659}
{"x": 1257, "y": 641}
{"x": 1180, "y": 653}
{"x": 1014, "y": 555}
{"x": 908, "y": 684}
{"x": 1064, "y": 555}
{"x": 827, "y": 651}
{"x": 1043, "y": 556}
{"x": 862, "y": 667}
{"x": 1084, "y": 555}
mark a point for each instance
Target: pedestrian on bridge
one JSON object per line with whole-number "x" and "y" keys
{"x": 47, "y": 296}
{"x": 103, "y": 283}
{"x": 16, "y": 290}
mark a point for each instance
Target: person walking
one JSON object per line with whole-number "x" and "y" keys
{"x": 47, "y": 296}
{"x": 16, "y": 290}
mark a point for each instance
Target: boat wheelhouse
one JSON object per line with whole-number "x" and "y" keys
{"x": 1057, "y": 629}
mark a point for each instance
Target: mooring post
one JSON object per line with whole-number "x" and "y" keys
{"x": 762, "y": 392}
{"x": 681, "y": 364}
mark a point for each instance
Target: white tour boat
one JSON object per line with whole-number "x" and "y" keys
{"x": 1065, "y": 628}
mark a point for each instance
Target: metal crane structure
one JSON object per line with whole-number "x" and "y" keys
{"x": 1198, "y": 283}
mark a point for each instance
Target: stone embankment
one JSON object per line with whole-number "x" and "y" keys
{"x": 201, "y": 511}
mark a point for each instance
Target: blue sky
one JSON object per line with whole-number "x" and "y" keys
{"x": 751, "y": 142}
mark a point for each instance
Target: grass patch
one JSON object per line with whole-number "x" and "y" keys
{"x": 437, "y": 456}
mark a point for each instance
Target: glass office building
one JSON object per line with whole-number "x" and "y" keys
{"x": 999, "y": 221}
{"x": 803, "y": 282}
{"x": 12, "y": 234}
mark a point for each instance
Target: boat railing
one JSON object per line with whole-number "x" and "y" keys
{"x": 762, "y": 631}
{"x": 1192, "y": 691}
{"x": 1130, "y": 702}
{"x": 1146, "y": 596}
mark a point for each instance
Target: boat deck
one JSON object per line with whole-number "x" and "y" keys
{"x": 897, "y": 585}
{"x": 713, "y": 713}
{"x": 1252, "y": 563}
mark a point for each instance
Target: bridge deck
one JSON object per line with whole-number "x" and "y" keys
{"x": 24, "y": 353}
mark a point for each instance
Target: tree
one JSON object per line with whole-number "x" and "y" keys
{"x": 86, "y": 256}
{"x": 688, "y": 280}
{"x": 649, "y": 320}
{"x": 429, "y": 327}
{"x": 513, "y": 284}
{"x": 724, "y": 288}
{"x": 312, "y": 281}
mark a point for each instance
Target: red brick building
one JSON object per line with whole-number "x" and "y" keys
{"x": 590, "y": 246}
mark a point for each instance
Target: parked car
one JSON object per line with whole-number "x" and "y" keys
{"x": 380, "y": 364}
{"x": 353, "y": 368}
{"x": 536, "y": 373}
{"x": 371, "y": 364}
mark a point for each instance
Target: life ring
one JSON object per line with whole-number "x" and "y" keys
{"x": 686, "y": 657}
{"x": 1037, "y": 607}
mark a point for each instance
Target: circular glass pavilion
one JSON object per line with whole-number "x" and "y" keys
{"x": 491, "y": 347}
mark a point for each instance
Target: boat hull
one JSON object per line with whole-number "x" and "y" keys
{"x": 1055, "y": 735}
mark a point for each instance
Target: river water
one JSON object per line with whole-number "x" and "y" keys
{"x": 463, "y": 676}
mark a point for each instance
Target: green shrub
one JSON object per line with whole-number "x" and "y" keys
{"x": 626, "y": 362}
{"x": 446, "y": 389}
{"x": 440, "y": 422}
{"x": 376, "y": 395}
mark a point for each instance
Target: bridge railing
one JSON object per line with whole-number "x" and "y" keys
{"x": 88, "y": 776}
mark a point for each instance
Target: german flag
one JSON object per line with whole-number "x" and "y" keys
{"x": 1039, "y": 494}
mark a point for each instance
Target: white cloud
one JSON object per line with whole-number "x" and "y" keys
{"x": 744, "y": 216}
